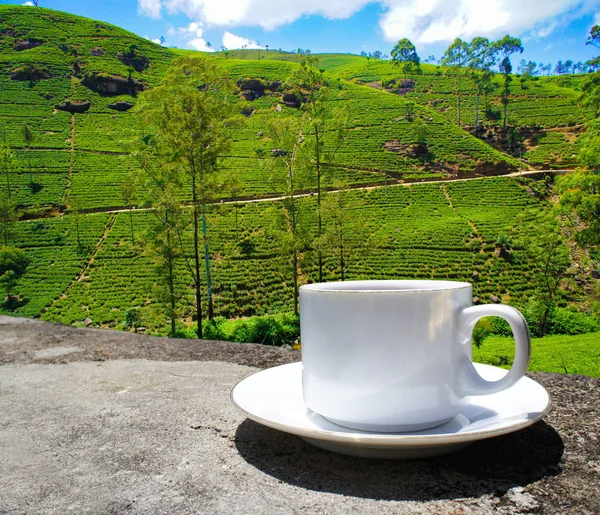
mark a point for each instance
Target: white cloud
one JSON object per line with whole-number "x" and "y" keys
{"x": 150, "y": 8}
{"x": 422, "y": 21}
{"x": 200, "y": 44}
{"x": 431, "y": 21}
{"x": 28, "y": 3}
{"x": 154, "y": 40}
{"x": 231, "y": 41}
{"x": 193, "y": 33}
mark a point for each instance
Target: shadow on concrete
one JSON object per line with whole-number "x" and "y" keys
{"x": 487, "y": 467}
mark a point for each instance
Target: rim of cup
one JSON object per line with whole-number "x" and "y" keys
{"x": 384, "y": 286}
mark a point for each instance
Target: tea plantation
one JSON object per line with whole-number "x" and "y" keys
{"x": 75, "y": 81}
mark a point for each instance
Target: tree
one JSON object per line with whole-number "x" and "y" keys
{"x": 290, "y": 174}
{"x": 506, "y": 47}
{"x": 190, "y": 113}
{"x": 579, "y": 201}
{"x": 545, "y": 247}
{"x": 404, "y": 54}
{"x": 163, "y": 241}
{"x": 28, "y": 136}
{"x": 322, "y": 129}
{"x": 482, "y": 56}
{"x": 590, "y": 86}
{"x": 594, "y": 37}
{"x": 133, "y": 319}
{"x": 128, "y": 193}
{"x": 419, "y": 131}
{"x": 163, "y": 244}
{"x": 8, "y": 162}
{"x": 579, "y": 204}
{"x": 457, "y": 56}
{"x": 8, "y": 216}
{"x": 13, "y": 263}
{"x": 527, "y": 68}
{"x": 589, "y": 153}
{"x": 345, "y": 236}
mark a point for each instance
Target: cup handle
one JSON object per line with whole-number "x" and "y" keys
{"x": 471, "y": 382}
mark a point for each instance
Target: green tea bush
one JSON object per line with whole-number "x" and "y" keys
{"x": 280, "y": 329}
{"x": 558, "y": 321}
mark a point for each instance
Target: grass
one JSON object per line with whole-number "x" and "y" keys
{"x": 564, "y": 354}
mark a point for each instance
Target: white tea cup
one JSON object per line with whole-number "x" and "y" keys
{"x": 394, "y": 356}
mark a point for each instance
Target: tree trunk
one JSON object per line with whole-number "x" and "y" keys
{"x": 318, "y": 165}
{"x": 77, "y": 227}
{"x": 29, "y": 160}
{"x": 342, "y": 262}
{"x": 131, "y": 226}
{"x": 170, "y": 260}
{"x": 197, "y": 261}
{"x": 295, "y": 278}
{"x": 477, "y": 114}
{"x": 209, "y": 292}
{"x": 458, "y": 99}
{"x": 505, "y": 101}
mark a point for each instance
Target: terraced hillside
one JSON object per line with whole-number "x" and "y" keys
{"x": 75, "y": 83}
{"x": 545, "y": 110}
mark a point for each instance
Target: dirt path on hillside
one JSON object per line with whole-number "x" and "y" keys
{"x": 81, "y": 275}
{"x": 278, "y": 198}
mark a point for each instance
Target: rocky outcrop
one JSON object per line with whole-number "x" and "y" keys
{"x": 30, "y": 73}
{"x": 138, "y": 62}
{"x": 255, "y": 88}
{"x": 98, "y": 52}
{"x": 26, "y": 44}
{"x": 74, "y": 106}
{"x": 413, "y": 150}
{"x": 292, "y": 100}
{"x": 112, "y": 84}
{"x": 251, "y": 88}
{"x": 121, "y": 105}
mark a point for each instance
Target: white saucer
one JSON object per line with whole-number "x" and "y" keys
{"x": 273, "y": 397}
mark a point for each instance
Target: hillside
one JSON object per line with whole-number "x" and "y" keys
{"x": 75, "y": 83}
{"x": 545, "y": 110}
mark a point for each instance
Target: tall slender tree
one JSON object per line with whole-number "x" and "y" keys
{"x": 8, "y": 216}
{"x": 457, "y": 57}
{"x": 164, "y": 240}
{"x": 482, "y": 56}
{"x": 404, "y": 54}
{"x": 28, "y": 136}
{"x": 189, "y": 112}
{"x": 128, "y": 194}
{"x": 7, "y": 161}
{"x": 590, "y": 86}
{"x": 290, "y": 174}
{"x": 322, "y": 128}
{"x": 506, "y": 47}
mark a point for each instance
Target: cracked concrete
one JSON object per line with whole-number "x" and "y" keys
{"x": 156, "y": 435}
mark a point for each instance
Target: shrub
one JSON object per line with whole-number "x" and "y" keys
{"x": 280, "y": 329}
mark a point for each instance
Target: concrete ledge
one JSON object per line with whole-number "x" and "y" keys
{"x": 151, "y": 435}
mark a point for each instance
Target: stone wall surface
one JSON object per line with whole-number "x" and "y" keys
{"x": 99, "y": 421}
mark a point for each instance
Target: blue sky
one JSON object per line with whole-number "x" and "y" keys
{"x": 551, "y": 30}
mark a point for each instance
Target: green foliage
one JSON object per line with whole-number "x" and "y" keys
{"x": 580, "y": 197}
{"x": 404, "y": 54}
{"x": 13, "y": 263}
{"x": 133, "y": 318}
{"x": 280, "y": 329}
{"x": 559, "y": 354}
